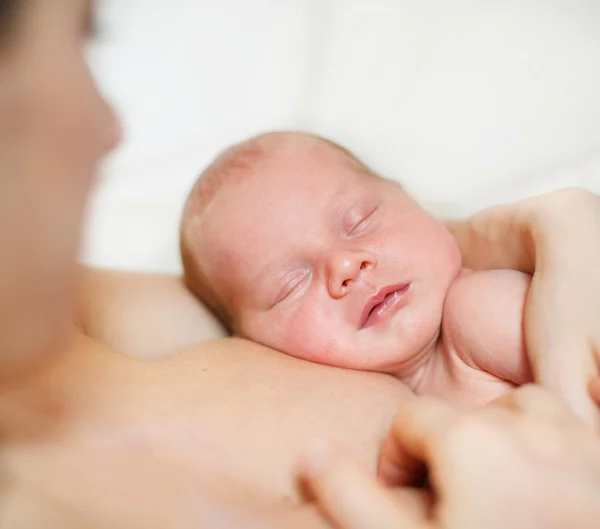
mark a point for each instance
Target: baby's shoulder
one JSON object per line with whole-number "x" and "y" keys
{"x": 483, "y": 316}
{"x": 483, "y": 299}
{"x": 474, "y": 287}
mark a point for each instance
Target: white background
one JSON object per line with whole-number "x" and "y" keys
{"x": 467, "y": 102}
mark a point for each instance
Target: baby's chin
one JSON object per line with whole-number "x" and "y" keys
{"x": 394, "y": 355}
{"x": 370, "y": 359}
{"x": 364, "y": 351}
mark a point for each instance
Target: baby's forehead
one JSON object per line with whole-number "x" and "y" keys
{"x": 310, "y": 169}
{"x": 256, "y": 183}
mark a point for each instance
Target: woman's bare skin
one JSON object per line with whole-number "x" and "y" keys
{"x": 209, "y": 437}
{"x": 220, "y": 423}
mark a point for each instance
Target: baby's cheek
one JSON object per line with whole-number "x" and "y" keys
{"x": 307, "y": 337}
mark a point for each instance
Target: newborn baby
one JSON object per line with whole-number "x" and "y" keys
{"x": 297, "y": 245}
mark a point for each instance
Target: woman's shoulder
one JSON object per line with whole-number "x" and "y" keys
{"x": 144, "y": 315}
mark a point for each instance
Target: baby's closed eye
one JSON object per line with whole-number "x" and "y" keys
{"x": 291, "y": 284}
{"x": 358, "y": 221}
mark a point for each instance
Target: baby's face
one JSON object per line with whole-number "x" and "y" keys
{"x": 328, "y": 264}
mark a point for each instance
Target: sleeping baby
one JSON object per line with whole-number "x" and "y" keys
{"x": 296, "y": 244}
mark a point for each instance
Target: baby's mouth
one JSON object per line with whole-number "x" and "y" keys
{"x": 383, "y": 304}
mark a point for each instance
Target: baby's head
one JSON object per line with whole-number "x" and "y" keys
{"x": 299, "y": 246}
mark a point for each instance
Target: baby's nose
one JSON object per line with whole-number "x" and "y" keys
{"x": 345, "y": 269}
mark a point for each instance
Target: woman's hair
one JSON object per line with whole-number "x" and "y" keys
{"x": 8, "y": 9}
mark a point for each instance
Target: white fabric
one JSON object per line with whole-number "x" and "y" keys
{"x": 467, "y": 103}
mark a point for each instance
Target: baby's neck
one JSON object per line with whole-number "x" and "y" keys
{"x": 413, "y": 371}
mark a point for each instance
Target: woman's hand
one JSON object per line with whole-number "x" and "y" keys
{"x": 523, "y": 462}
{"x": 556, "y": 237}
{"x": 595, "y": 390}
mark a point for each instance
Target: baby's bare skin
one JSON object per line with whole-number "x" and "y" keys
{"x": 481, "y": 351}
{"x": 353, "y": 273}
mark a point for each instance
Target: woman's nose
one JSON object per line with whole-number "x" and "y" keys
{"x": 344, "y": 268}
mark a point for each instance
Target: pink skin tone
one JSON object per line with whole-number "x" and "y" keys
{"x": 305, "y": 246}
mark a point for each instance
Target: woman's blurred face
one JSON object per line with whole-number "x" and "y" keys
{"x": 54, "y": 128}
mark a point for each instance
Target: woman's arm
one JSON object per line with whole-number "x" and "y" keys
{"x": 557, "y": 238}
{"x": 141, "y": 314}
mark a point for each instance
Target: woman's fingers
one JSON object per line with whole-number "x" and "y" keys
{"x": 501, "y": 448}
{"x": 564, "y": 363}
{"x": 350, "y": 497}
{"x": 595, "y": 390}
{"x": 561, "y": 326}
{"x": 411, "y": 440}
{"x": 536, "y": 401}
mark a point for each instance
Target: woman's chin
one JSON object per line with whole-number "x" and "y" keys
{"x": 34, "y": 341}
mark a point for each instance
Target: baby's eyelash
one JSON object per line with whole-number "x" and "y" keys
{"x": 362, "y": 221}
{"x": 289, "y": 287}
{"x": 358, "y": 225}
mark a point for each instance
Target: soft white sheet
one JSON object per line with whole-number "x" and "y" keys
{"x": 467, "y": 103}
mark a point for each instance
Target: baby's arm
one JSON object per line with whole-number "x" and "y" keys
{"x": 483, "y": 322}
